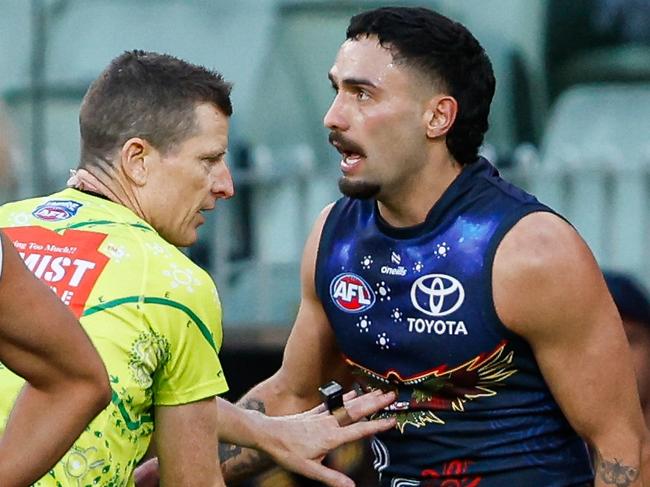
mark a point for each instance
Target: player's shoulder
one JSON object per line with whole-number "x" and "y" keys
{"x": 541, "y": 246}
{"x": 543, "y": 274}
{"x": 318, "y": 228}
{"x": 541, "y": 235}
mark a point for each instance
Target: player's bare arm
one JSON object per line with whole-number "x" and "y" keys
{"x": 41, "y": 341}
{"x": 297, "y": 442}
{"x": 549, "y": 289}
{"x": 186, "y": 438}
{"x": 311, "y": 358}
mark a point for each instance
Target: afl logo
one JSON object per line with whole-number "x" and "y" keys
{"x": 351, "y": 293}
{"x": 56, "y": 210}
{"x": 437, "y": 294}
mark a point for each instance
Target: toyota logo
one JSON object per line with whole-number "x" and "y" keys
{"x": 437, "y": 294}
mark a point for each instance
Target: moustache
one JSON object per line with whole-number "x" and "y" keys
{"x": 343, "y": 144}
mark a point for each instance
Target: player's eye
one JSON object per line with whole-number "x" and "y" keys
{"x": 362, "y": 95}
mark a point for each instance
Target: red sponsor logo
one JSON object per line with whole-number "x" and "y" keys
{"x": 452, "y": 474}
{"x": 351, "y": 293}
{"x": 69, "y": 263}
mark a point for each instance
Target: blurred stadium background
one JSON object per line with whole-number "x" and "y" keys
{"x": 570, "y": 122}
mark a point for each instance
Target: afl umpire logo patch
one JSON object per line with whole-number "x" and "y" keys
{"x": 56, "y": 210}
{"x": 351, "y": 293}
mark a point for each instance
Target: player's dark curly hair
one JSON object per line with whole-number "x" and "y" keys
{"x": 148, "y": 95}
{"x": 449, "y": 54}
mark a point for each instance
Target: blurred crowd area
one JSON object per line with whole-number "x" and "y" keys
{"x": 570, "y": 122}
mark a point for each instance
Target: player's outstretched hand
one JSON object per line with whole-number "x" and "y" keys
{"x": 300, "y": 442}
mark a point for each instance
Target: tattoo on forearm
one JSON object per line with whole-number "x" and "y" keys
{"x": 252, "y": 403}
{"x": 238, "y": 462}
{"x": 614, "y": 472}
{"x": 228, "y": 451}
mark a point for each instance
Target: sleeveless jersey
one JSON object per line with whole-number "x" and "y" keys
{"x": 412, "y": 311}
{"x": 152, "y": 314}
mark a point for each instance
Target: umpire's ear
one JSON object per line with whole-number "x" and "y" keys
{"x": 135, "y": 159}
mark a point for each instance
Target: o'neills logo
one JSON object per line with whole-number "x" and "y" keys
{"x": 393, "y": 271}
{"x": 351, "y": 293}
{"x": 69, "y": 264}
{"x": 396, "y": 259}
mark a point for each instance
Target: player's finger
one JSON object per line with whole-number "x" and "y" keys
{"x": 362, "y": 429}
{"x": 369, "y": 403}
{"x": 348, "y": 396}
{"x": 321, "y": 408}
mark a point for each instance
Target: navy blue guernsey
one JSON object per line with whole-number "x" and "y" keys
{"x": 412, "y": 311}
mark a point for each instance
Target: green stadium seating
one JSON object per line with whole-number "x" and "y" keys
{"x": 590, "y": 41}
{"x": 595, "y": 169}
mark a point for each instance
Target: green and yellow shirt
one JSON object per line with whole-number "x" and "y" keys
{"x": 153, "y": 315}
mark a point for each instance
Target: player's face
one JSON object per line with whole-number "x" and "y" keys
{"x": 189, "y": 179}
{"x": 376, "y": 120}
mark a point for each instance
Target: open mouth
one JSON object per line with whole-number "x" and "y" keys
{"x": 350, "y": 160}
{"x": 351, "y": 152}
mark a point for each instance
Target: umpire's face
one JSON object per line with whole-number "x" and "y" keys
{"x": 188, "y": 179}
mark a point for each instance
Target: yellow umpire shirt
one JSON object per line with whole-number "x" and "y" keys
{"x": 153, "y": 315}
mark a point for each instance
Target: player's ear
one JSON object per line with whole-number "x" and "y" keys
{"x": 440, "y": 115}
{"x": 134, "y": 159}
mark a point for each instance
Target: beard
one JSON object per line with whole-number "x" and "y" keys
{"x": 362, "y": 190}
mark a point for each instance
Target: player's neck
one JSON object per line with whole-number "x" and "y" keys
{"x": 410, "y": 204}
